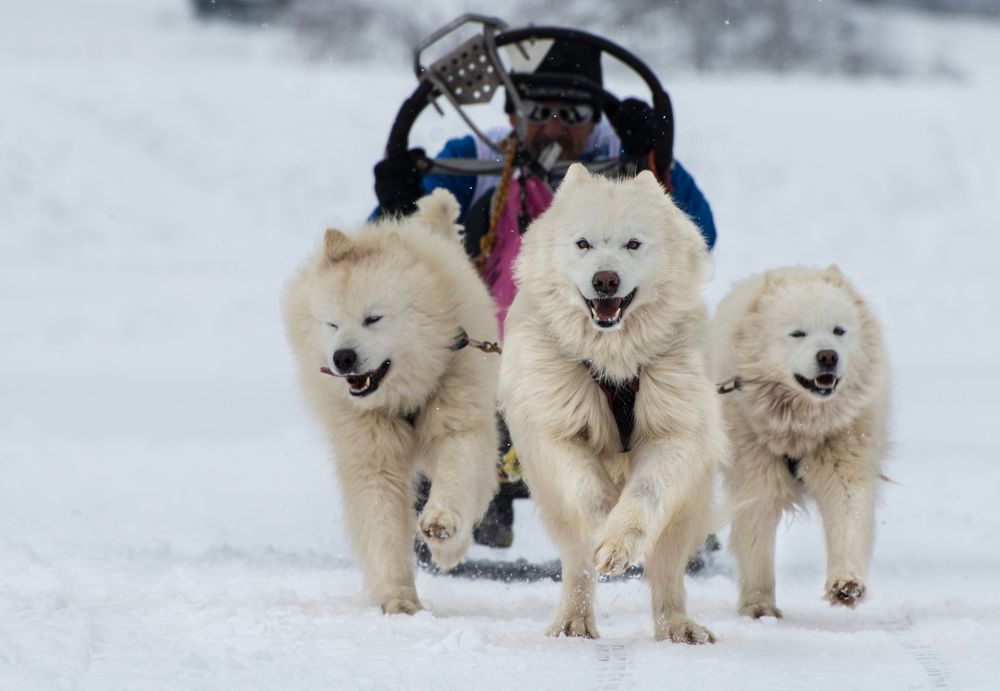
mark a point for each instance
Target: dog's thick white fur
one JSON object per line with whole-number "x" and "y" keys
{"x": 387, "y": 306}
{"x": 576, "y": 319}
{"x": 809, "y": 421}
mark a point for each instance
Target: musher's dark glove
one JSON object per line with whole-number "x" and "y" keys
{"x": 397, "y": 182}
{"x": 634, "y": 124}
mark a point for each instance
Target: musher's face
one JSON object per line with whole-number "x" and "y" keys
{"x": 542, "y": 131}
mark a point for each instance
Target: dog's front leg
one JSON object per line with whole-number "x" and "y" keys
{"x": 378, "y": 509}
{"x": 844, "y": 489}
{"x": 463, "y": 478}
{"x": 574, "y": 494}
{"x": 752, "y": 541}
{"x": 662, "y": 514}
{"x": 664, "y": 476}
{"x": 568, "y": 480}
{"x": 665, "y": 567}
{"x": 760, "y": 489}
{"x": 575, "y": 616}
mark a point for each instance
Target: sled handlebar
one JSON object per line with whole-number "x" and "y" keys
{"x": 426, "y": 93}
{"x": 472, "y": 166}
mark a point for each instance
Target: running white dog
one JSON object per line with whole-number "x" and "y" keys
{"x": 605, "y": 388}
{"x": 387, "y": 312}
{"x": 809, "y": 420}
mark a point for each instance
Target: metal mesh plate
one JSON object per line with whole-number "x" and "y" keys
{"x": 468, "y": 73}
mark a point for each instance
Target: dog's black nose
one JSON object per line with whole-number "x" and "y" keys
{"x": 606, "y": 282}
{"x": 827, "y": 359}
{"x": 344, "y": 360}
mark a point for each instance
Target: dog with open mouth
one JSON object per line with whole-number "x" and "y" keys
{"x": 605, "y": 389}
{"x": 803, "y": 359}
{"x": 377, "y": 321}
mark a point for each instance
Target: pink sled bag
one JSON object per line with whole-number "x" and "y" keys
{"x": 498, "y": 272}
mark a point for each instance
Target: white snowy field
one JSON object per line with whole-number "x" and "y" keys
{"x": 168, "y": 518}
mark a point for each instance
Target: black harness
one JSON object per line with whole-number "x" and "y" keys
{"x": 461, "y": 340}
{"x": 411, "y": 418}
{"x": 793, "y": 466}
{"x": 621, "y": 400}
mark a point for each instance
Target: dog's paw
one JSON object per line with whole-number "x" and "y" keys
{"x": 394, "y": 596}
{"x": 581, "y": 626}
{"x": 448, "y": 554}
{"x": 848, "y": 592}
{"x": 616, "y": 551}
{"x": 438, "y": 524}
{"x": 446, "y": 535}
{"x": 683, "y": 630}
{"x": 760, "y": 609}
{"x": 401, "y": 604}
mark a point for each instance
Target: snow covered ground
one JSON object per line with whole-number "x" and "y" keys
{"x": 168, "y": 518}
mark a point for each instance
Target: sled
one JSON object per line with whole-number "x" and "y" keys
{"x": 468, "y": 74}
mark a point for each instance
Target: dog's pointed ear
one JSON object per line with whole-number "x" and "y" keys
{"x": 646, "y": 177}
{"x": 833, "y": 275}
{"x": 439, "y": 210}
{"x": 335, "y": 245}
{"x": 577, "y": 175}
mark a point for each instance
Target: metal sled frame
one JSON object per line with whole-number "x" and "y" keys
{"x": 473, "y": 73}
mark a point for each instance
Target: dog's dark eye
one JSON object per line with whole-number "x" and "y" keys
{"x": 331, "y": 325}
{"x": 798, "y": 334}
{"x": 838, "y": 331}
{"x": 633, "y": 245}
{"x": 371, "y": 320}
{"x": 583, "y": 244}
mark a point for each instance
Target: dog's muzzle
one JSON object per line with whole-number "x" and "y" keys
{"x": 822, "y": 385}
{"x": 607, "y": 313}
{"x": 362, "y": 384}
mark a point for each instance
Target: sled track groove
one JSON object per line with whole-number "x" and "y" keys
{"x": 922, "y": 654}
{"x": 614, "y": 667}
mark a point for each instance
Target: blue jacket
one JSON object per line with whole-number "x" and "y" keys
{"x": 468, "y": 188}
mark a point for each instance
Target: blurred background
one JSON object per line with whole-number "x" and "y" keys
{"x": 855, "y": 37}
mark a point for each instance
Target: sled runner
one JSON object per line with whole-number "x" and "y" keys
{"x": 522, "y": 570}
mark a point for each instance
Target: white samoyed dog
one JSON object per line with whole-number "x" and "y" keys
{"x": 387, "y": 312}
{"x": 605, "y": 388}
{"x": 807, "y": 418}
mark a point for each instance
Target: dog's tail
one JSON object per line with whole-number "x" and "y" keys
{"x": 439, "y": 210}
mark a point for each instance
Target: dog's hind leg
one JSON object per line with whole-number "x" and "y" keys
{"x": 378, "y": 509}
